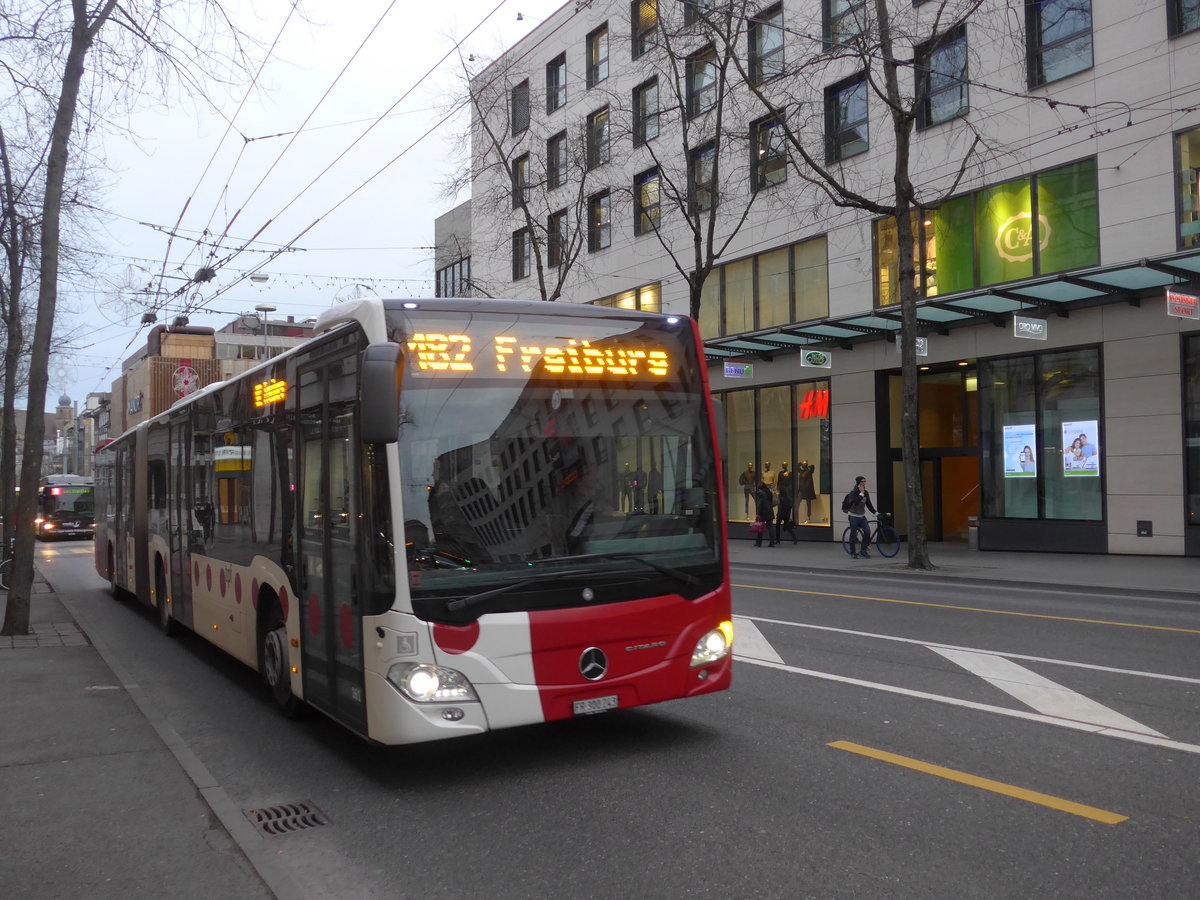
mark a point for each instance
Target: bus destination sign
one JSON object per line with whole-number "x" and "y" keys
{"x": 436, "y": 353}
{"x": 268, "y": 392}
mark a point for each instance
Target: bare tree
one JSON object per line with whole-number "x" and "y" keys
{"x": 50, "y": 42}
{"x": 887, "y": 56}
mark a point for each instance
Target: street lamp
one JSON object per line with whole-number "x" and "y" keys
{"x": 263, "y": 309}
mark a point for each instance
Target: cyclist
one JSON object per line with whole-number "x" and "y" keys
{"x": 855, "y": 505}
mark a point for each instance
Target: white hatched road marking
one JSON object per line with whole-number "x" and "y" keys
{"x": 745, "y": 630}
{"x": 1040, "y": 693}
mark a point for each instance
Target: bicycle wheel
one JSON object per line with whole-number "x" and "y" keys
{"x": 846, "y": 541}
{"x": 887, "y": 541}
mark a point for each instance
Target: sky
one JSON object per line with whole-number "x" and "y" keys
{"x": 340, "y": 156}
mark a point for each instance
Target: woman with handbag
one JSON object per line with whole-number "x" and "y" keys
{"x": 764, "y": 509}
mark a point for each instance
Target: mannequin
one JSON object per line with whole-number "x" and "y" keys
{"x": 768, "y": 476}
{"x": 783, "y": 483}
{"x": 748, "y": 480}
{"x": 627, "y": 480}
{"x": 804, "y": 487}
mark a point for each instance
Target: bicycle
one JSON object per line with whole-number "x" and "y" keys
{"x": 6, "y": 566}
{"x": 884, "y": 537}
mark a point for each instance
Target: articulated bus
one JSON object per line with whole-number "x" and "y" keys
{"x": 441, "y": 517}
{"x": 65, "y": 507}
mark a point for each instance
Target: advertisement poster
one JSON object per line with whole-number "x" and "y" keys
{"x": 1020, "y": 461}
{"x": 1081, "y": 453}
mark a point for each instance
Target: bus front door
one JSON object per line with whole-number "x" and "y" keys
{"x": 328, "y": 532}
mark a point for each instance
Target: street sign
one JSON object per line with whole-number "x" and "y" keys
{"x": 1183, "y": 306}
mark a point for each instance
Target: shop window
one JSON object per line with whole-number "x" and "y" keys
{"x": 779, "y": 436}
{"x": 1191, "y": 425}
{"x": 1059, "y": 36}
{"x": 1029, "y": 226}
{"x": 791, "y": 286}
{"x": 1187, "y": 187}
{"x": 774, "y": 288}
{"x": 739, "y": 296}
{"x": 1042, "y": 448}
{"x": 710, "y": 318}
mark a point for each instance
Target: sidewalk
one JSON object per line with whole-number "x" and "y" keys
{"x": 1153, "y": 575}
{"x": 93, "y": 803}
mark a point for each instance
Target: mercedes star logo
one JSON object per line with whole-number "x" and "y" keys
{"x": 593, "y": 664}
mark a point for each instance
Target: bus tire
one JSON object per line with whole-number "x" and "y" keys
{"x": 166, "y": 622}
{"x": 273, "y": 662}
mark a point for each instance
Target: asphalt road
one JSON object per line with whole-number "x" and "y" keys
{"x": 888, "y": 741}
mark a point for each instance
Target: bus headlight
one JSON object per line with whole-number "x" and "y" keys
{"x": 424, "y": 683}
{"x": 713, "y": 646}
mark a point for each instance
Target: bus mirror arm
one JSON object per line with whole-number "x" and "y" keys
{"x": 379, "y": 393}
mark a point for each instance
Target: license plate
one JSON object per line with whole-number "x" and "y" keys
{"x": 594, "y": 705}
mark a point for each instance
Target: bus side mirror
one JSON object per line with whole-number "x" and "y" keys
{"x": 379, "y": 393}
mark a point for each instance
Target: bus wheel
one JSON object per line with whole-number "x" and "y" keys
{"x": 166, "y": 623}
{"x": 273, "y": 663}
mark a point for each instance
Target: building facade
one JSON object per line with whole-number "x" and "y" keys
{"x": 739, "y": 162}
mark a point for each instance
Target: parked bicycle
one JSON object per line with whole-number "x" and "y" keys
{"x": 883, "y": 536}
{"x": 6, "y": 566}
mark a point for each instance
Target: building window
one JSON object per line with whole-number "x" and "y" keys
{"x": 520, "y": 180}
{"x": 702, "y": 170}
{"x": 1059, "y": 37}
{"x": 556, "y": 161}
{"x": 647, "y": 202}
{"x": 644, "y": 16}
{"x": 846, "y": 118}
{"x": 845, "y": 20}
{"x": 556, "y": 238}
{"x": 599, "y": 221}
{"x": 1184, "y": 16}
{"x": 1039, "y": 225}
{"x": 597, "y": 138}
{"x": 645, "y": 111}
{"x": 942, "y": 80}
{"x": 765, "y": 40}
{"x": 522, "y": 253}
{"x": 520, "y": 107}
{"x": 556, "y": 82}
{"x": 1042, "y": 449}
{"x": 1187, "y": 190}
{"x": 770, "y": 153}
{"x": 702, "y": 81}
{"x": 597, "y": 56}
{"x": 647, "y": 298}
{"x": 454, "y": 280}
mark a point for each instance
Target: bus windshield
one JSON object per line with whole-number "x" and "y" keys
{"x": 544, "y": 454}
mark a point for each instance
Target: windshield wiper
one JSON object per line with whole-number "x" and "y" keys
{"x": 669, "y": 571}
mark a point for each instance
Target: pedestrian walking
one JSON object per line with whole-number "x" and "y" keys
{"x": 855, "y": 505}
{"x": 764, "y": 506}
{"x": 785, "y": 517}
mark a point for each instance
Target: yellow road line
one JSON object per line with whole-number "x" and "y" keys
{"x": 999, "y": 787}
{"x": 994, "y": 612}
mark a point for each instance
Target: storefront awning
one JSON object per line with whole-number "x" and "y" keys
{"x": 1054, "y": 294}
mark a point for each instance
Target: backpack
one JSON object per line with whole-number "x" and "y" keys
{"x": 847, "y": 501}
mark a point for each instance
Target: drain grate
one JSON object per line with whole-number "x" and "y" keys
{"x": 286, "y": 818}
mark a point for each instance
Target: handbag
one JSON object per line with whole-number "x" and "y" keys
{"x": 758, "y": 526}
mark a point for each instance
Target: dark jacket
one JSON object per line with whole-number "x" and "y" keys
{"x": 764, "y": 503}
{"x": 857, "y": 503}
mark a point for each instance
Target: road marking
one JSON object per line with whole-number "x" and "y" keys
{"x": 994, "y": 612}
{"x": 749, "y": 643}
{"x": 1135, "y": 737}
{"x": 1040, "y": 693}
{"x": 1039, "y": 659}
{"x": 987, "y": 784}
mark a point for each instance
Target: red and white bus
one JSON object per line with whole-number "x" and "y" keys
{"x": 441, "y": 517}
